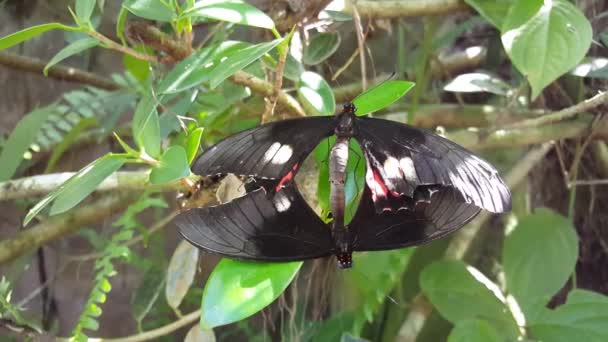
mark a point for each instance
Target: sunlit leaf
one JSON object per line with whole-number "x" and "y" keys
{"x": 316, "y": 94}
{"x": 145, "y": 126}
{"x": 232, "y": 11}
{"x": 150, "y": 9}
{"x": 381, "y": 96}
{"x": 173, "y": 166}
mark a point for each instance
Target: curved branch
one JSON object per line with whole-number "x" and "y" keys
{"x": 35, "y": 65}
{"x": 403, "y": 9}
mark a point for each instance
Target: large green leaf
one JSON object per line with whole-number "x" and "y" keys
{"x": 232, "y": 11}
{"x": 180, "y": 74}
{"x": 381, "y": 96}
{"x": 582, "y": 318}
{"x": 321, "y": 47}
{"x": 30, "y": 32}
{"x": 474, "y": 330}
{"x": 70, "y": 50}
{"x": 150, "y": 9}
{"x": 545, "y": 39}
{"x": 180, "y": 273}
{"x": 173, "y": 166}
{"x": 538, "y": 257}
{"x": 145, "y": 126}
{"x": 20, "y": 140}
{"x": 493, "y": 11}
{"x": 239, "y": 60}
{"x": 316, "y": 94}
{"x": 236, "y": 290}
{"x": 457, "y": 291}
{"x": 79, "y": 186}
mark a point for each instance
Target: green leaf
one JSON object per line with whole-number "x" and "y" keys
{"x": 145, "y": 126}
{"x": 147, "y": 292}
{"x": 180, "y": 273}
{"x": 139, "y": 68}
{"x": 316, "y": 94}
{"x": 70, "y": 50}
{"x": 239, "y": 60}
{"x": 84, "y": 182}
{"x": 582, "y": 318}
{"x": 150, "y": 9}
{"x": 20, "y": 140}
{"x": 182, "y": 71}
{"x": 173, "y": 165}
{"x": 232, "y": 11}
{"x": 381, "y": 96}
{"x": 474, "y": 330}
{"x": 545, "y": 39}
{"x": 67, "y": 141}
{"x": 30, "y": 32}
{"x": 539, "y": 256}
{"x": 84, "y": 10}
{"x": 493, "y": 11}
{"x": 457, "y": 292}
{"x": 193, "y": 143}
{"x": 236, "y": 290}
{"x": 320, "y": 48}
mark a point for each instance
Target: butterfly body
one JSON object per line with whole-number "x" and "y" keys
{"x": 418, "y": 187}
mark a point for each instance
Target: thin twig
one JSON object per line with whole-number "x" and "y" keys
{"x": 403, "y": 9}
{"x": 360, "y": 47}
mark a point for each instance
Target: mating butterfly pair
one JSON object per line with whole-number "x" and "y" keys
{"x": 419, "y": 187}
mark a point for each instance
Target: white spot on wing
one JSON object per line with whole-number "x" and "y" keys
{"x": 408, "y": 169}
{"x": 391, "y": 168}
{"x": 282, "y": 155}
{"x": 282, "y": 203}
{"x": 272, "y": 150}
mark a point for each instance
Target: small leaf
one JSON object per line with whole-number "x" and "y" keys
{"x": 320, "y": 48}
{"x": 193, "y": 143}
{"x": 239, "y": 60}
{"x": 84, "y": 10}
{"x": 121, "y": 23}
{"x": 173, "y": 165}
{"x": 474, "y": 330}
{"x": 139, "y": 68}
{"x": 539, "y": 256}
{"x": 316, "y": 94}
{"x": 79, "y": 186}
{"x": 145, "y": 126}
{"x": 180, "y": 273}
{"x": 198, "y": 334}
{"x": 19, "y": 141}
{"x": 70, "y": 50}
{"x": 236, "y": 290}
{"x": 30, "y": 32}
{"x": 150, "y": 9}
{"x": 477, "y": 82}
{"x": 457, "y": 295}
{"x": 232, "y": 11}
{"x": 545, "y": 39}
{"x": 381, "y": 96}
{"x": 493, "y": 11}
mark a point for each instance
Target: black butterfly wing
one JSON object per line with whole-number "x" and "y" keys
{"x": 257, "y": 226}
{"x": 436, "y": 211}
{"x": 269, "y": 151}
{"x": 400, "y": 158}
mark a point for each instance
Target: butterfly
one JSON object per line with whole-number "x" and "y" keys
{"x": 418, "y": 187}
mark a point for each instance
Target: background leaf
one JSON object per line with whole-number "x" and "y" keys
{"x": 545, "y": 39}
{"x": 236, "y": 290}
{"x": 180, "y": 273}
{"x": 84, "y": 9}
{"x": 31, "y": 32}
{"x": 150, "y": 9}
{"x": 19, "y": 141}
{"x": 320, "y": 48}
{"x": 173, "y": 165}
{"x": 145, "y": 126}
{"x": 381, "y": 96}
{"x": 535, "y": 272}
{"x": 316, "y": 94}
{"x": 474, "y": 330}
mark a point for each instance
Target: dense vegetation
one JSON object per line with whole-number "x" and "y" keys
{"x": 518, "y": 81}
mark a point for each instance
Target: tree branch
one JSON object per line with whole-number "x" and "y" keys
{"x": 63, "y": 224}
{"x": 158, "y": 332}
{"x": 403, "y": 9}
{"x": 35, "y": 65}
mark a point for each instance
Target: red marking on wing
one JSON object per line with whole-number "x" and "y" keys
{"x": 287, "y": 178}
{"x": 375, "y": 184}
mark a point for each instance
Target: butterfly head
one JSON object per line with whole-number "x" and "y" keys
{"x": 346, "y": 119}
{"x": 349, "y": 107}
{"x": 345, "y": 260}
